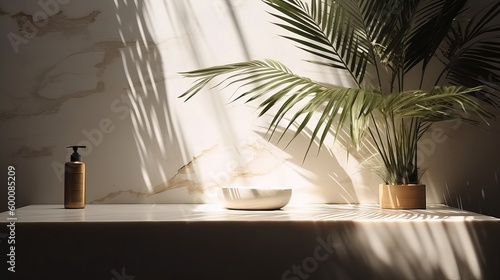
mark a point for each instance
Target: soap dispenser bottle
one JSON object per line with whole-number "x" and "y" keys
{"x": 74, "y": 181}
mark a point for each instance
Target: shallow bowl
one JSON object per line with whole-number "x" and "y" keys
{"x": 255, "y": 198}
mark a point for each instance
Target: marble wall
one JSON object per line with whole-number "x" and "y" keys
{"x": 105, "y": 74}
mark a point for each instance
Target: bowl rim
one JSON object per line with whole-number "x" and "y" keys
{"x": 258, "y": 188}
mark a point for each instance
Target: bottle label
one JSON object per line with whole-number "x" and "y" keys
{"x": 76, "y": 189}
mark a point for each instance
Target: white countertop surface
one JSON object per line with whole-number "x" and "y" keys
{"x": 324, "y": 241}
{"x": 213, "y": 212}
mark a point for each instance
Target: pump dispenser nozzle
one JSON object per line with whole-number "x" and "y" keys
{"x": 75, "y": 156}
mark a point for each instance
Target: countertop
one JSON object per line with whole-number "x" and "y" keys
{"x": 207, "y": 241}
{"x": 214, "y": 212}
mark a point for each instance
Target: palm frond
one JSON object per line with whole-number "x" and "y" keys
{"x": 440, "y": 104}
{"x": 403, "y": 119}
{"x": 295, "y": 96}
{"x": 326, "y": 30}
{"x": 432, "y": 23}
{"x": 472, "y": 54}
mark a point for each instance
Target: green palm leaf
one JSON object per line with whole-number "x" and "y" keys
{"x": 433, "y": 20}
{"x": 326, "y": 30}
{"x": 280, "y": 87}
{"x": 471, "y": 55}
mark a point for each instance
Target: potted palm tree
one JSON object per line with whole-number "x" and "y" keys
{"x": 386, "y": 40}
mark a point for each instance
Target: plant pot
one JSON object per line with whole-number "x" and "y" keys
{"x": 402, "y": 196}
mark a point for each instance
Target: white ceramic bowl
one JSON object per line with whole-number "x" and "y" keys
{"x": 255, "y": 198}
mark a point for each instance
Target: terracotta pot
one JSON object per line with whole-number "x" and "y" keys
{"x": 402, "y": 196}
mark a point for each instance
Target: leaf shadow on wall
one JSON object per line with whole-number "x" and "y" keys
{"x": 153, "y": 131}
{"x": 162, "y": 158}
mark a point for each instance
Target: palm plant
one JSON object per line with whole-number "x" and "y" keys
{"x": 385, "y": 39}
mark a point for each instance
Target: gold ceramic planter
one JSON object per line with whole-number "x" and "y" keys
{"x": 402, "y": 196}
